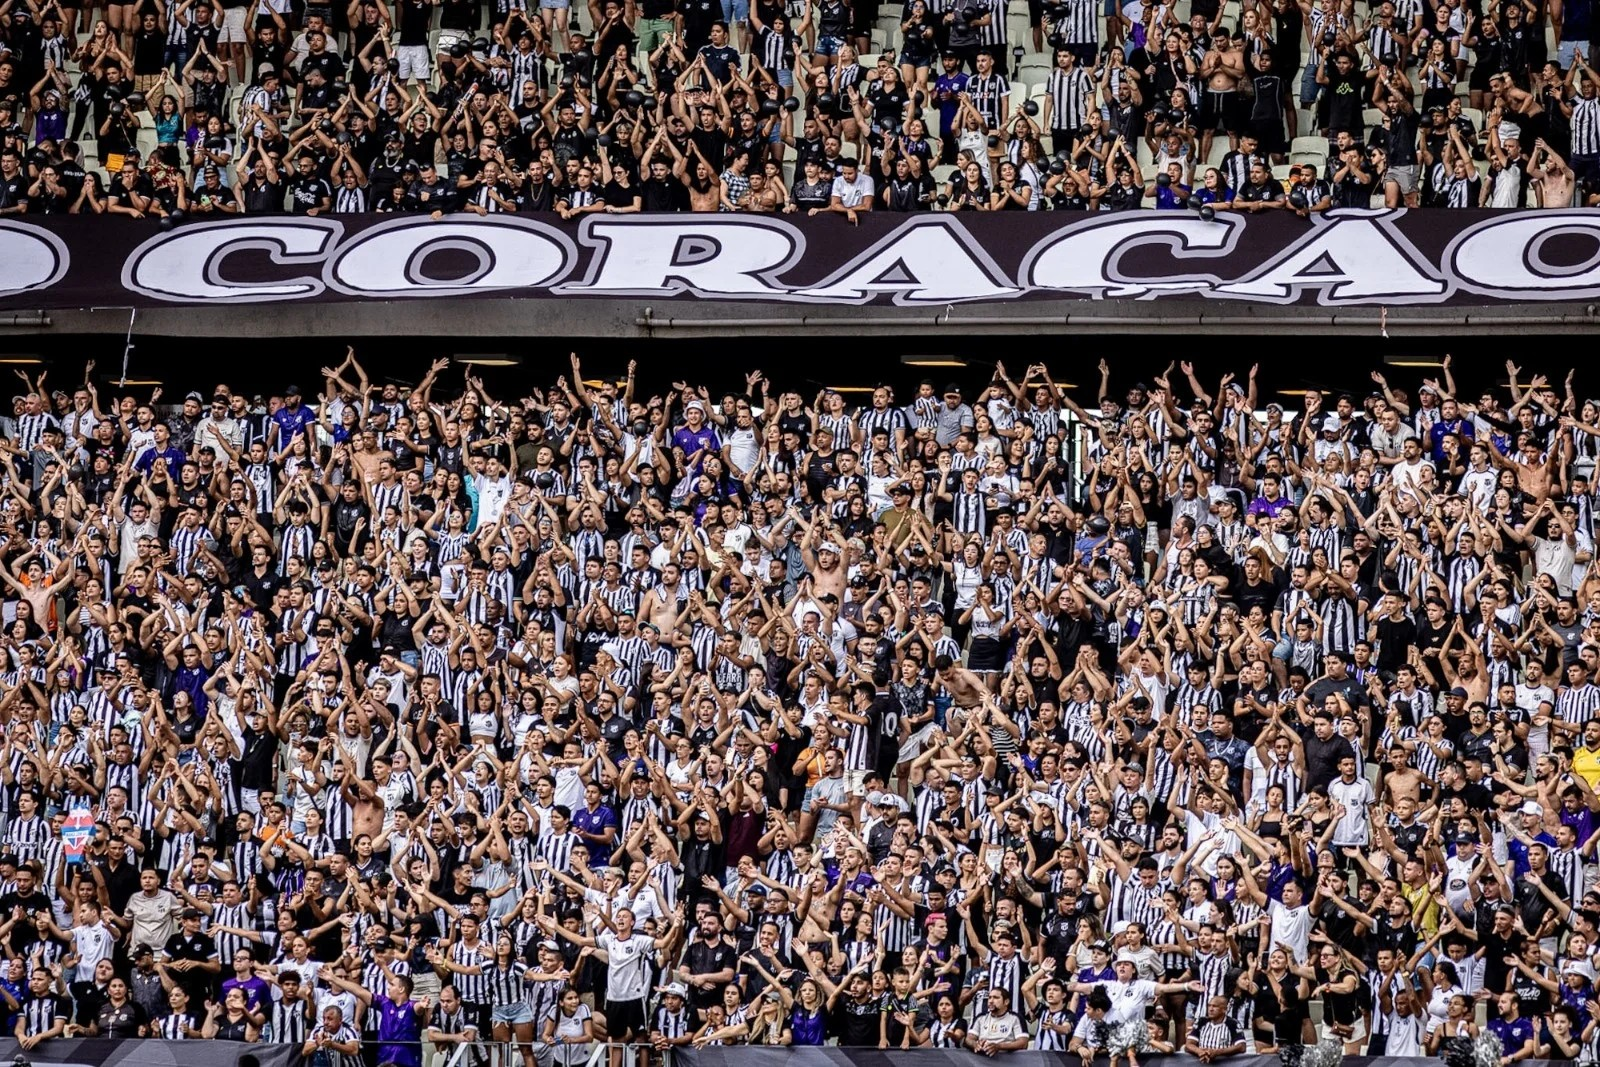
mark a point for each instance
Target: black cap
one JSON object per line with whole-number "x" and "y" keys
{"x": 291, "y": 390}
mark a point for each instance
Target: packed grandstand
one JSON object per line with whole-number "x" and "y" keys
{"x": 378, "y": 721}
{"x": 212, "y": 108}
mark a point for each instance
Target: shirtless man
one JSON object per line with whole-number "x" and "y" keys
{"x": 661, "y": 602}
{"x": 825, "y": 562}
{"x": 1223, "y": 69}
{"x": 366, "y": 803}
{"x": 1551, "y": 176}
{"x": 700, "y": 178}
{"x": 966, "y": 688}
{"x": 40, "y": 585}
{"x": 1402, "y": 781}
{"x": 367, "y": 455}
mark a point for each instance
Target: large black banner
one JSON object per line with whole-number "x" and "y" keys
{"x": 746, "y": 1056}
{"x": 1343, "y": 258}
{"x": 105, "y": 1052}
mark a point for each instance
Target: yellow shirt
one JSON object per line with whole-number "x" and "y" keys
{"x": 1416, "y": 895}
{"x": 1586, "y": 761}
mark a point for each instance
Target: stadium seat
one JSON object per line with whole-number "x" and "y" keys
{"x": 1316, "y": 146}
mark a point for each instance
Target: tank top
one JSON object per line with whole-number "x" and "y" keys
{"x": 967, "y": 581}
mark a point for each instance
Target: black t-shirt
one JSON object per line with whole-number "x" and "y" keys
{"x": 124, "y": 1021}
{"x": 1267, "y": 192}
{"x": 415, "y": 16}
{"x": 308, "y": 193}
{"x": 147, "y": 51}
{"x": 329, "y": 65}
{"x": 1343, "y": 95}
{"x": 1123, "y": 197}
{"x": 1395, "y": 638}
{"x": 1400, "y": 139}
{"x": 13, "y": 191}
{"x": 195, "y": 33}
{"x": 25, "y": 932}
{"x": 460, "y": 14}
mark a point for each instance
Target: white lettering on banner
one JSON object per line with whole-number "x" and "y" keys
{"x": 187, "y": 265}
{"x": 1088, "y": 257}
{"x": 715, "y": 256}
{"x": 1503, "y": 256}
{"x": 1347, "y": 257}
{"x": 389, "y": 260}
{"x": 928, "y": 260}
{"x": 33, "y": 258}
{"x": 1351, "y": 256}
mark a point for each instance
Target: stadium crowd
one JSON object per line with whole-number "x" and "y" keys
{"x": 207, "y": 108}
{"x": 408, "y": 719}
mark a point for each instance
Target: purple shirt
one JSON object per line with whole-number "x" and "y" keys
{"x": 256, "y": 993}
{"x": 692, "y": 441}
{"x": 595, "y": 822}
{"x": 1270, "y": 508}
{"x": 399, "y": 1032}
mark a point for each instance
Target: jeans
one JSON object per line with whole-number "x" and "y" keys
{"x": 1308, "y": 85}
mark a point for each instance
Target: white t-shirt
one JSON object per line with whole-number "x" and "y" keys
{"x": 852, "y": 194}
{"x": 1479, "y": 486}
{"x": 1291, "y": 927}
{"x": 989, "y": 1027}
{"x": 1405, "y": 1035}
{"x": 628, "y": 968}
{"x": 1128, "y": 999}
{"x": 1356, "y": 797}
{"x": 92, "y": 944}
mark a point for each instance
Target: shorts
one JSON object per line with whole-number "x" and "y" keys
{"x": 513, "y": 1013}
{"x": 1358, "y": 1031}
{"x": 652, "y": 32}
{"x": 413, "y": 61}
{"x": 624, "y": 1018}
{"x": 1219, "y": 108}
{"x": 829, "y": 46}
{"x": 912, "y": 746}
{"x": 233, "y": 29}
{"x": 735, "y": 12}
{"x": 1404, "y": 177}
{"x": 450, "y": 37}
{"x": 554, "y": 5}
